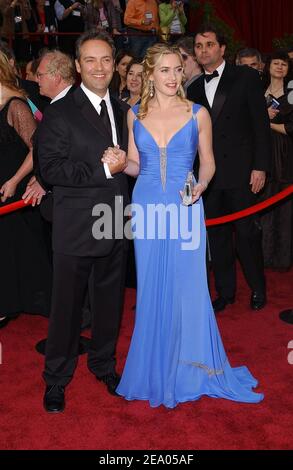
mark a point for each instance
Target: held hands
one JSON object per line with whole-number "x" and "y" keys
{"x": 8, "y": 189}
{"x": 257, "y": 180}
{"x": 115, "y": 159}
{"x": 33, "y": 191}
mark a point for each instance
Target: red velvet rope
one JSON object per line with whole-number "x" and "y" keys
{"x": 14, "y": 206}
{"x": 251, "y": 210}
{"x": 217, "y": 221}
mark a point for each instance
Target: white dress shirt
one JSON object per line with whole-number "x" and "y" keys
{"x": 211, "y": 87}
{"x": 96, "y": 102}
{"x": 61, "y": 94}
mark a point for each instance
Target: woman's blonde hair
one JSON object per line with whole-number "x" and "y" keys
{"x": 8, "y": 77}
{"x": 153, "y": 56}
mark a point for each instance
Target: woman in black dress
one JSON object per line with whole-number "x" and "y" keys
{"x": 25, "y": 267}
{"x": 277, "y": 221}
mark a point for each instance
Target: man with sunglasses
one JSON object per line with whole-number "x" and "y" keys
{"x": 192, "y": 70}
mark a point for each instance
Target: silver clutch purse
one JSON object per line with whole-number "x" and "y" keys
{"x": 187, "y": 191}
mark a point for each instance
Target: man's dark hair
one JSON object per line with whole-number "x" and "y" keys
{"x": 186, "y": 43}
{"x": 210, "y": 28}
{"x": 248, "y": 52}
{"x": 94, "y": 34}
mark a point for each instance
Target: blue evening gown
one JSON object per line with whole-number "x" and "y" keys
{"x": 176, "y": 352}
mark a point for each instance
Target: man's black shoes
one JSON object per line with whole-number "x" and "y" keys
{"x": 287, "y": 316}
{"x": 111, "y": 381}
{"x": 220, "y": 303}
{"x": 54, "y": 399}
{"x": 258, "y": 300}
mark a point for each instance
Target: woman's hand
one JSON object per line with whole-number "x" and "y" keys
{"x": 40, "y": 28}
{"x": 33, "y": 191}
{"x": 8, "y": 189}
{"x": 197, "y": 190}
{"x": 76, "y": 5}
{"x": 272, "y": 112}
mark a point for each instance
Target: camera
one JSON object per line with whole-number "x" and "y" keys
{"x": 275, "y": 104}
{"x": 272, "y": 102}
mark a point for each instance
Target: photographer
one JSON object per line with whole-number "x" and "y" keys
{"x": 172, "y": 16}
{"x": 18, "y": 17}
{"x": 70, "y": 20}
{"x": 142, "y": 20}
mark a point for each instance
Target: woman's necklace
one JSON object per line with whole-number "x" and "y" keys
{"x": 275, "y": 92}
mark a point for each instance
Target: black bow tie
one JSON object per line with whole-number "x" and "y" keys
{"x": 209, "y": 76}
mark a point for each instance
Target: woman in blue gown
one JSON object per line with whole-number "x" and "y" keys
{"x": 176, "y": 353}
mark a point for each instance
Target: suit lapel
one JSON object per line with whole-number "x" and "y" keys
{"x": 200, "y": 96}
{"x": 222, "y": 92}
{"x": 90, "y": 114}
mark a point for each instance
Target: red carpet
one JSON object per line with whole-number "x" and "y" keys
{"x": 93, "y": 419}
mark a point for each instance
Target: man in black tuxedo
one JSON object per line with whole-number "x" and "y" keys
{"x": 241, "y": 139}
{"x": 71, "y": 140}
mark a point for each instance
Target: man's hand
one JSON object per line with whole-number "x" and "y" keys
{"x": 115, "y": 159}
{"x": 257, "y": 180}
{"x": 33, "y": 191}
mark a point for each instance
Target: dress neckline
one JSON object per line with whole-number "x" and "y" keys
{"x": 173, "y": 136}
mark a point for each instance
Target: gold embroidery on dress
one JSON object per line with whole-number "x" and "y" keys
{"x": 207, "y": 369}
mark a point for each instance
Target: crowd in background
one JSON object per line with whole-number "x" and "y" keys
{"x": 135, "y": 25}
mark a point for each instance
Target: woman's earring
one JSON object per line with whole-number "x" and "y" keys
{"x": 151, "y": 88}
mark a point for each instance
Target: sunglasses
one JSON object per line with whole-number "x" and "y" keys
{"x": 184, "y": 56}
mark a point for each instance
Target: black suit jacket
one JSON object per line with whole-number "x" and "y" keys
{"x": 241, "y": 129}
{"x": 35, "y": 155}
{"x": 71, "y": 140}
